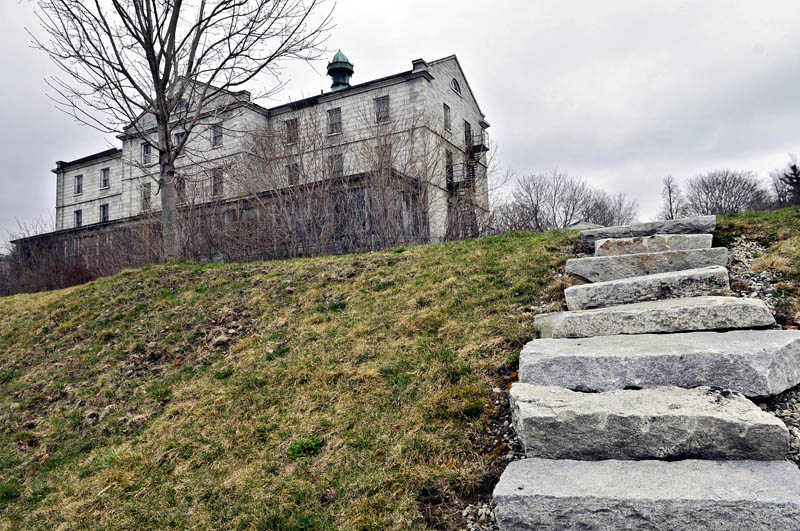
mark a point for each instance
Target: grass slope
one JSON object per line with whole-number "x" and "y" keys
{"x": 349, "y": 392}
{"x": 779, "y": 231}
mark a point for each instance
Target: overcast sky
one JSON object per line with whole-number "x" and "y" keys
{"x": 619, "y": 92}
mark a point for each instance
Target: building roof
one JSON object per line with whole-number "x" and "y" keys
{"x": 306, "y": 102}
{"x": 61, "y": 165}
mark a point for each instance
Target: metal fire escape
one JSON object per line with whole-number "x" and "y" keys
{"x": 461, "y": 180}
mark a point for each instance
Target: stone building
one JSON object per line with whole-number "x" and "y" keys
{"x": 421, "y": 126}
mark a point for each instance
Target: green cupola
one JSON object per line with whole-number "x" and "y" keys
{"x": 340, "y": 69}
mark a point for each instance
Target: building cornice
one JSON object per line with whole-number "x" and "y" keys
{"x": 109, "y": 153}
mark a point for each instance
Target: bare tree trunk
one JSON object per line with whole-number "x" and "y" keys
{"x": 171, "y": 241}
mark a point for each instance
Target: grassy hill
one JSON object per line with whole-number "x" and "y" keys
{"x": 779, "y": 231}
{"x": 351, "y": 392}
{"x": 348, "y": 392}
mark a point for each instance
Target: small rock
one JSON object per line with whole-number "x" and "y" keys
{"x": 91, "y": 418}
{"x": 220, "y": 340}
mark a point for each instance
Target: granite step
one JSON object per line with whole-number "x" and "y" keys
{"x": 664, "y": 316}
{"x": 659, "y": 423}
{"x": 756, "y": 363}
{"x": 654, "y": 495}
{"x": 661, "y": 286}
{"x": 692, "y": 225}
{"x": 651, "y": 244}
{"x": 603, "y": 268}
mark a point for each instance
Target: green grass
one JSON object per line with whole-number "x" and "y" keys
{"x": 305, "y": 447}
{"x": 354, "y": 394}
{"x": 767, "y": 227}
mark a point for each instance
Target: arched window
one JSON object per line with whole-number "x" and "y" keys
{"x": 455, "y": 86}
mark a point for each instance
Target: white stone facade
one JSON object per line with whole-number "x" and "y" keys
{"x": 415, "y": 128}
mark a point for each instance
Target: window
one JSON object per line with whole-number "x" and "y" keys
{"x": 337, "y": 165}
{"x": 216, "y": 183}
{"x": 447, "y": 123}
{"x": 467, "y": 133}
{"x": 384, "y": 156}
{"x": 216, "y": 135}
{"x": 104, "y": 213}
{"x": 146, "y": 150}
{"x": 448, "y": 166}
{"x": 292, "y": 173}
{"x": 78, "y": 184}
{"x": 181, "y": 106}
{"x": 179, "y": 138}
{"x": 335, "y": 121}
{"x": 105, "y": 178}
{"x": 291, "y": 131}
{"x": 382, "y": 109}
{"x": 180, "y": 188}
{"x": 78, "y": 218}
{"x": 455, "y": 86}
{"x": 145, "y": 197}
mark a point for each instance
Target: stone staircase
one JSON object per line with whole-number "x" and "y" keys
{"x": 632, "y": 406}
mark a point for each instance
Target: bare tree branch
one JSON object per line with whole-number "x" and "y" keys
{"x": 128, "y": 64}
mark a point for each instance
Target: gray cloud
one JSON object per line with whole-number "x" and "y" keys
{"x": 620, "y": 92}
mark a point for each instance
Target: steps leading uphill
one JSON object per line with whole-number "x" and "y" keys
{"x": 632, "y": 406}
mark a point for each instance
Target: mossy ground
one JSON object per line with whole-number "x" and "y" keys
{"x": 350, "y": 392}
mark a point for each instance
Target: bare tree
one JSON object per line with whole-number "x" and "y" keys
{"x": 725, "y": 192}
{"x": 781, "y": 192}
{"x": 151, "y": 68}
{"x": 609, "y": 210}
{"x": 545, "y": 201}
{"x": 674, "y": 205}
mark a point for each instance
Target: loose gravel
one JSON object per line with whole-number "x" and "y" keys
{"x": 745, "y": 282}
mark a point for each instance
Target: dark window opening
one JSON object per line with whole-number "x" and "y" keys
{"x": 145, "y": 197}
{"x": 105, "y": 178}
{"x": 337, "y": 165}
{"x": 293, "y": 173}
{"x": 384, "y": 156}
{"x": 382, "y": 109}
{"x": 216, "y": 183}
{"x": 180, "y": 188}
{"x": 216, "y": 135}
{"x": 292, "y": 130}
{"x": 103, "y": 213}
{"x": 335, "y": 121}
{"x": 146, "y": 150}
{"x": 448, "y": 166}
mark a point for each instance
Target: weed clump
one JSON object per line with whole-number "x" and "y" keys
{"x": 305, "y": 447}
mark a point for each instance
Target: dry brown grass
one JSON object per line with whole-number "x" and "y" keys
{"x": 380, "y": 365}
